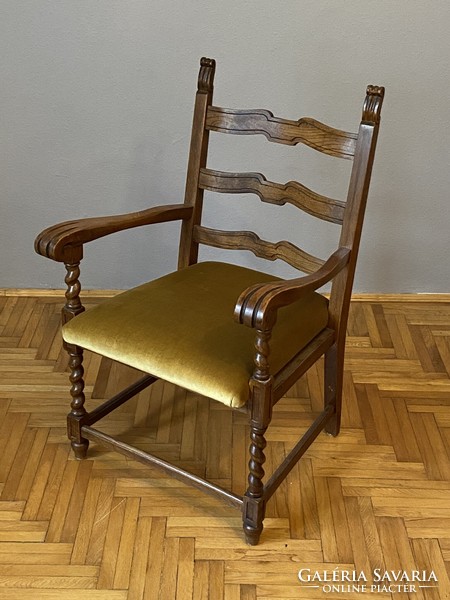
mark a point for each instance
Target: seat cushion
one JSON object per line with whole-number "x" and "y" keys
{"x": 181, "y": 328}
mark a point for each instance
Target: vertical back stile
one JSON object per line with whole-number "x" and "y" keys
{"x": 188, "y": 253}
{"x": 356, "y": 204}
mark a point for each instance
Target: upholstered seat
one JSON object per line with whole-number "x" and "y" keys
{"x": 181, "y": 328}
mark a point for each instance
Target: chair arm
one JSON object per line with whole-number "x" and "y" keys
{"x": 63, "y": 241}
{"x": 257, "y": 305}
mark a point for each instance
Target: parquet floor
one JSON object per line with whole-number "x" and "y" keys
{"x": 376, "y": 497}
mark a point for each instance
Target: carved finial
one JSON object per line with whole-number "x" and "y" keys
{"x": 206, "y": 74}
{"x": 372, "y": 104}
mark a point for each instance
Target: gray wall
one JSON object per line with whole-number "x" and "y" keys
{"x": 96, "y": 106}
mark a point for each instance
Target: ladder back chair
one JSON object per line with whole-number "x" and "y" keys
{"x": 181, "y": 328}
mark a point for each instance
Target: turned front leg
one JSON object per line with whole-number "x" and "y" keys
{"x": 254, "y": 505}
{"x": 75, "y": 417}
{"x": 260, "y": 405}
{"x": 72, "y": 308}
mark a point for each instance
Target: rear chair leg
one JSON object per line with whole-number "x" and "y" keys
{"x": 333, "y": 376}
{"x": 75, "y": 417}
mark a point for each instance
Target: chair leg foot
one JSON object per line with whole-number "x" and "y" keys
{"x": 80, "y": 448}
{"x": 252, "y": 534}
{"x": 333, "y": 426}
{"x": 253, "y": 519}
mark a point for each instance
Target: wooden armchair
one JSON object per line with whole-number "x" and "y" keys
{"x": 181, "y": 327}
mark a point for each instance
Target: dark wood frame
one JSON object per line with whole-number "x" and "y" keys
{"x": 257, "y": 306}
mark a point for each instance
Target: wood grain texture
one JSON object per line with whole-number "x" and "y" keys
{"x": 274, "y": 193}
{"x": 307, "y": 131}
{"x": 374, "y": 497}
{"x": 248, "y": 240}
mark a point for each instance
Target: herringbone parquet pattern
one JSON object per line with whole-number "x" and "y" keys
{"x": 378, "y": 496}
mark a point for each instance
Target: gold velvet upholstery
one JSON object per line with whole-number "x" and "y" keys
{"x": 181, "y": 328}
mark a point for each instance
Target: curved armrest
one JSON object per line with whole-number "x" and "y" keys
{"x": 61, "y": 242}
{"x": 258, "y": 304}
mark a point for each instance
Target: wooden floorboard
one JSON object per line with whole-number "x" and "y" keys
{"x": 376, "y": 497}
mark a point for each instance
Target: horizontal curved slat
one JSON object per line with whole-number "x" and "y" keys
{"x": 275, "y": 193}
{"x": 247, "y": 240}
{"x": 308, "y": 131}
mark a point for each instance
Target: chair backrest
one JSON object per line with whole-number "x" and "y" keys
{"x": 358, "y": 147}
